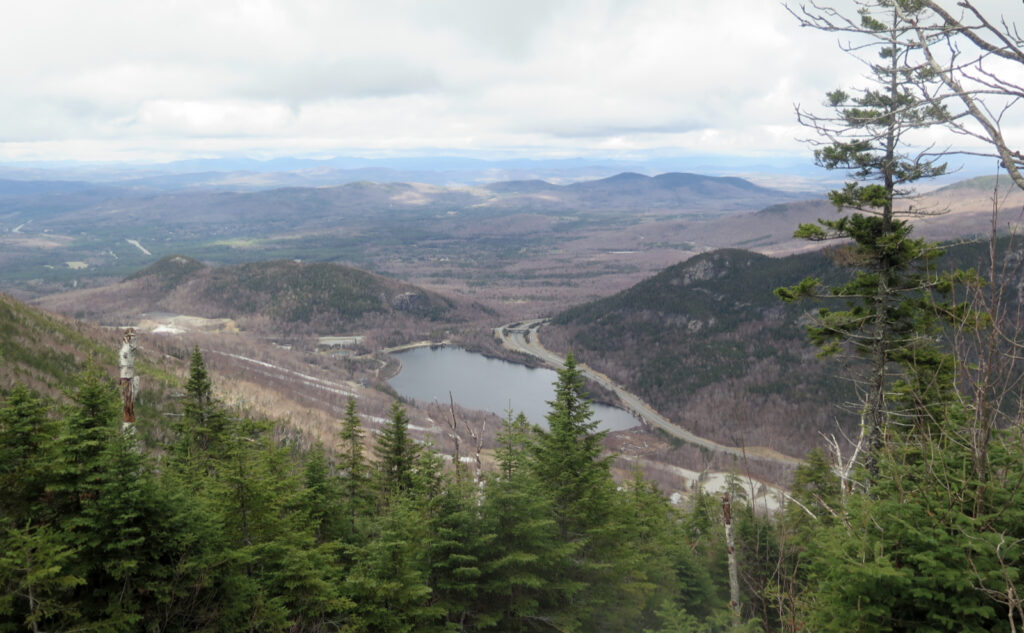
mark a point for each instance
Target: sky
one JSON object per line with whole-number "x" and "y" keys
{"x": 139, "y": 80}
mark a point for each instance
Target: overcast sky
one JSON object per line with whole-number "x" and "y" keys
{"x": 141, "y": 80}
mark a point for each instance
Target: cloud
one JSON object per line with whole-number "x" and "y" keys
{"x": 355, "y": 77}
{"x": 289, "y": 76}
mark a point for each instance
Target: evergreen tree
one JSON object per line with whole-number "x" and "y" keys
{"x": 388, "y": 582}
{"x": 567, "y": 457}
{"x": 356, "y": 494}
{"x": 199, "y": 399}
{"x": 920, "y": 553}
{"x": 663, "y": 570}
{"x": 567, "y": 460}
{"x": 513, "y": 445}
{"x": 276, "y": 575}
{"x": 925, "y": 547}
{"x": 816, "y": 489}
{"x": 35, "y": 579}
{"x": 890, "y": 310}
{"x": 396, "y": 455}
{"x": 675, "y": 619}
{"x": 204, "y": 424}
{"x": 320, "y": 498}
{"x": 27, "y": 453}
{"x": 90, "y": 424}
{"x": 197, "y": 584}
{"x": 121, "y": 536}
{"x": 521, "y": 581}
{"x": 460, "y": 543}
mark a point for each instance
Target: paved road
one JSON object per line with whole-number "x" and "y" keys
{"x": 523, "y": 337}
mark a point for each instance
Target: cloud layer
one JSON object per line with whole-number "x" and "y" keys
{"x": 150, "y": 80}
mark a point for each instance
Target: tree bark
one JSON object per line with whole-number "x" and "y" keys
{"x": 128, "y": 381}
{"x": 734, "y": 576}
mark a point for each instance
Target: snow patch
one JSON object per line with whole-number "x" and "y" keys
{"x": 139, "y": 246}
{"x": 167, "y": 329}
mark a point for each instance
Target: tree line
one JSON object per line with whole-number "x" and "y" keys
{"x": 222, "y": 529}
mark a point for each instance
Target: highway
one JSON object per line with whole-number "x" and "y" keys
{"x": 523, "y": 336}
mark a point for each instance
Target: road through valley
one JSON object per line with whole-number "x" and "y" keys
{"x": 523, "y": 337}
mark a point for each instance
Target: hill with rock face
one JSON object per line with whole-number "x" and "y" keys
{"x": 708, "y": 345}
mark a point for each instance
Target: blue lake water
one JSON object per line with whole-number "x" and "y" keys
{"x": 487, "y": 384}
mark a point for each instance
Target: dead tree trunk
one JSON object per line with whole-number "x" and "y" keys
{"x": 734, "y": 576}
{"x": 454, "y": 426}
{"x": 128, "y": 381}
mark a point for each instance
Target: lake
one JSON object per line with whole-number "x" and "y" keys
{"x": 487, "y": 384}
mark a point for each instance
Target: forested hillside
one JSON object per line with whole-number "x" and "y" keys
{"x": 45, "y": 352}
{"x": 276, "y": 296}
{"x": 221, "y": 528}
{"x": 709, "y": 345}
{"x": 214, "y": 525}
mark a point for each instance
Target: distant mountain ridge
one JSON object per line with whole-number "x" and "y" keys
{"x": 437, "y": 169}
{"x": 631, "y": 183}
{"x": 369, "y": 223}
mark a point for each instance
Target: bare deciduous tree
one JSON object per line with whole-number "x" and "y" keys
{"x": 977, "y": 62}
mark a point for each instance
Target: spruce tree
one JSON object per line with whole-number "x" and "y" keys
{"x": 524, "y": 580}
{"x": 396, "y": 455}
{"x": 460, "y": 544}
{"x": 27, "y": 454}
{"x": 106, "y": 506}
{"x": 203, "y": 425}
{"x": 279, "y": 575}
{"x": 567, "y": 457}
{"x": 660, "y": 567}
{"x": 123, "y": 538}
{"x": 567, "y": 460}
{"x": 388, "y": 583}
{"x": 90, "y": 424}
{"x": 926, "y": 547}
{"x": 321, "y": 495}
{"x": 36, "y": 579}
{"x": 868, "y": 133}
{"x": 356, "y": 493}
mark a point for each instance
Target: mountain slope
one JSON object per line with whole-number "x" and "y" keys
{"x": 45, "y": 352}
{"x": 297, "y": 297}
{"x": 708, "y": 344}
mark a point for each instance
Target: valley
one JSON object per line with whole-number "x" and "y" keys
{"x": 258, "y": 278}
{"x": 512, "y": 317}
{"x": 719, "y": 393}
